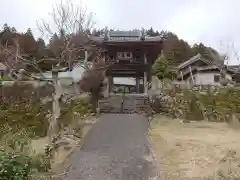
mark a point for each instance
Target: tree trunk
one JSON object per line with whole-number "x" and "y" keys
{"x": 56, "y": 111}
{"x": 94, "y": 100}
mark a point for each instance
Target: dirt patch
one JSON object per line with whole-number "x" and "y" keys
{"x": 62, "y": 159}
{"x": 63, "y": 152}
{"x": 39, "y": 145}
{"x": 196, "y": 150}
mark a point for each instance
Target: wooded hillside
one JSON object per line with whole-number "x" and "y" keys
{"x": 176, "y": 50}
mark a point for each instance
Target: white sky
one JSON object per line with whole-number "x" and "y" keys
{"x": 207, "y": 21}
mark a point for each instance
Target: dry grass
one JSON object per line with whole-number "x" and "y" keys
{"x": 39, "y": 144}
{"x": 196, "y": 150}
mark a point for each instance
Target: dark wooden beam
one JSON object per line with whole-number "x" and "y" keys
{"x": 126, "y": 75}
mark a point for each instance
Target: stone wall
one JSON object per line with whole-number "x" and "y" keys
{"x": 67, "y": 86}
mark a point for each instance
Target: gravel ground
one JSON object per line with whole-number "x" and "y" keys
{"x": 115, "y": 149}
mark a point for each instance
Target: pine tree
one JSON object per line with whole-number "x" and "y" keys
{"x": 162, "y": 69}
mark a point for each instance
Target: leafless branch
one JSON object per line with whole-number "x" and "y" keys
{"x": 71, "y": 22}
{"x": 69, "y": 18}
{"x": 230, "y": 51}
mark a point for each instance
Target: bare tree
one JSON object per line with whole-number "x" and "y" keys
{"x": 69, "y": 18}
{"x": 72, "y": 24}
{"x": 229, "y": 53}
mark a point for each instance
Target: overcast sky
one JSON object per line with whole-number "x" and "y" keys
{"x": 207, "y": 21}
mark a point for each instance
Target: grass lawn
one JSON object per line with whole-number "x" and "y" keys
{"x": 196, "y": 150}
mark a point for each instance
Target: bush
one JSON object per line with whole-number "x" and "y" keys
{"x": 13, "y": 167}
{"x": 24, "y": 115}
{"x": 16, "y": 151}
{"x": 82, "y": 107}
{"x": 21, "y": 108}
{"x": 193, "y": 110}
{"x": 220, "y": 105}
{"x": 13, "y": 155}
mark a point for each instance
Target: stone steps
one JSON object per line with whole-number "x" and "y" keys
{"x": 125, "y": 104}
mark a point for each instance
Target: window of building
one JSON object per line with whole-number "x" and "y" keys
{"x": 216, "y": 78}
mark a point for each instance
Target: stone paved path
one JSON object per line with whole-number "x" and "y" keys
{"x": 115, "y": 149}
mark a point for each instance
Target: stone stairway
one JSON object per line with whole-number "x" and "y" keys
{"x": 142, "y": 104}
{"x": 112, "y": 104}
{"x": 128, "y": 103}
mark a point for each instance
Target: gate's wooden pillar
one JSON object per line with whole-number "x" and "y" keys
{"x": 145, "y": 76}
{"x": 110, "y": 84}
{"x": 137, "y": 84}
{"x": 106, "y": 88}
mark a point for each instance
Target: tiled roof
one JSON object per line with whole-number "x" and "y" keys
{"x": 205, "y": 68}
{"x": 192, "y": 60}
{"x": 208, "y": 68}
{"x": 125, "y": 33}
{"x": 126, "y": 39}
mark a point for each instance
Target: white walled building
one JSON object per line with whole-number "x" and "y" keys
{"x": 199, "y": 71}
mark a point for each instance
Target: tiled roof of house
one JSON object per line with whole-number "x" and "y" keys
{"x": 203, "y": 69}
{"x": 192, "y": 60}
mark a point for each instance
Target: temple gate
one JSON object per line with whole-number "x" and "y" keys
{"x": 133, "y": 55}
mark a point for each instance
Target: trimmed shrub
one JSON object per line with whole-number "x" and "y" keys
{"x": 82, "y": 107}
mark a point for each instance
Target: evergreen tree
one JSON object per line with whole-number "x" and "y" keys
{"x": 28, "y": 43}
{"x": 162, "y": 69}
